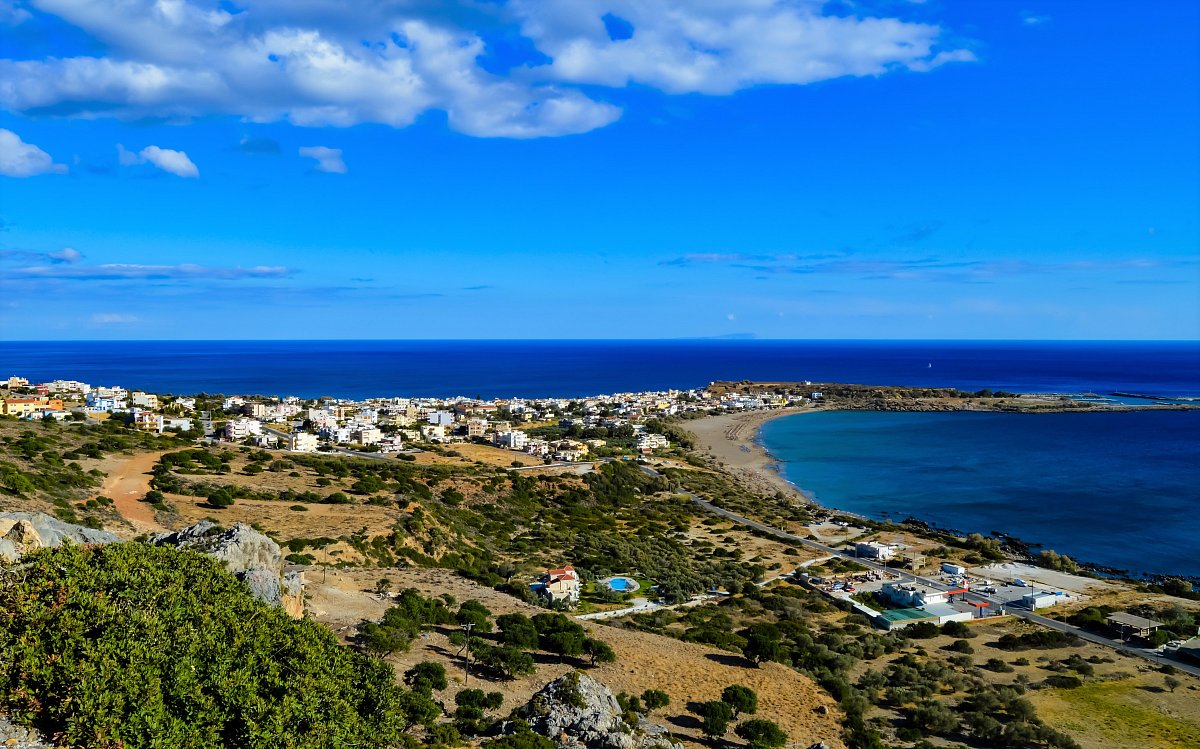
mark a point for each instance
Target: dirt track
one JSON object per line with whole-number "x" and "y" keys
{"x": 128, "y": 483}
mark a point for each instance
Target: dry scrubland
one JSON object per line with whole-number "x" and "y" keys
{"x": 687, "y": 672}
{"x": 1123, "y": 702}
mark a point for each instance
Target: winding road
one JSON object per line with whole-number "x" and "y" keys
{"x": 975, "y": 597}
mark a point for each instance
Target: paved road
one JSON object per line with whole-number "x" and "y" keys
{"x": 973, "y": 596}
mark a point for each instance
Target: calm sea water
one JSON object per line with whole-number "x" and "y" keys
{"x": 357, "y": 369}
{"x": 1119, "y": 489}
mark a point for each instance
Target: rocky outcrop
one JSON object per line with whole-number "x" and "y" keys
{"x": 578, "y": 712}
{"x": 249, "y": 555}
{"x": 13, "y": 736}
{"x": 22, "y": 532}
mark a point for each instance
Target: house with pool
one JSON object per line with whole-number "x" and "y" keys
{"x": 558, "y": 586}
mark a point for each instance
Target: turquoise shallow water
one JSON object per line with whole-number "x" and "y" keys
{"x": 1118, "y": 489}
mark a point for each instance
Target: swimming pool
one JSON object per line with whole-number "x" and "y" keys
{"x": 622, "y": 584}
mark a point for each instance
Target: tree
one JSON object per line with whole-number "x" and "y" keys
{"x": 653, "y": 699}
{"x": 521, "y": 738}
{"x": 1172, "y": 683}
{"x": 426, "y": 677}
{"x": 381, "y": 641}
{"x": 762, "y": 646}
{"x": 933, "y": 717}
{"x": 507, "y": 661}
{"x": 383, "y": 585}
{"x": 715, "y": 717}
{"x": 517, "y": 630}
{"x": 476, "y": 614}
{"x": 418, "y": 710}
{"x": 741, "y": 699}
{"x": 599, "y": 651}
{"x": 762, "y": 734}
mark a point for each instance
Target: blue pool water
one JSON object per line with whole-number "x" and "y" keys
{"x": 621, "y": 584}
{"x": 1118, "y": 489}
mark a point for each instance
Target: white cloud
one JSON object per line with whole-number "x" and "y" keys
{"x": 328, "y": 159}
{"x": 175, "y": 162}
{"x": 311, "y": 63}
{"x": 66, "y": 255}
{"x": 21, "y": 159}
{"x": 722, "y": 46}
{"x": 112, "y": 318}
{"x": 129, "y": 271}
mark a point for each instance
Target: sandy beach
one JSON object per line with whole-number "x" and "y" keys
{"x": 733, "y": 440}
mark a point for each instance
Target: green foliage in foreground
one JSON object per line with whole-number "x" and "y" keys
{"x": 135, "y": 646}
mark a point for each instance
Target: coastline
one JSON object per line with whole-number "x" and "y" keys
{"x": 732, "y": 439}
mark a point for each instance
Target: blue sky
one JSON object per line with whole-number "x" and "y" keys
{"x": 577, "y": 169}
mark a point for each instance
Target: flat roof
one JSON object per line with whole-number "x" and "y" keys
{"x": 1132, "y": 620}
{"x": 899, "y": 615}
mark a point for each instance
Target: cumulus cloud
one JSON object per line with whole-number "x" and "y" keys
{"x": 328, "y": 159}
{"x": 175, "y": 162}
{"x": 722, "y": 46}
{"x": 21, "y": 159}
{"x": 311, "y": 63}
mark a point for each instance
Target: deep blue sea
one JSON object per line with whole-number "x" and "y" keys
{"x": 1118, "y": 489}
{"x": 357, "y": 369}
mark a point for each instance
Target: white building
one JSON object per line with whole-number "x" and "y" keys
{"x": 68, "y": 386}
{"x": 391, "y": 444}
{"x": 912, "y": 595}
{"x": 240, "y": 429}
{"x": 875, "y": 550}
{"x": 649, "y": 441}
{"x": 440, "y": 418}
{"x": 97, "y": 403}
{"x": 514, "y": 439}
{"x": 177, "y": 424}
{"x": 143, "y": 400}
{"x": 147, "y": 421}
{"x": 433, "y": 433}
{"x": 1040, "y": 599}
{"x": 302, "y": 442}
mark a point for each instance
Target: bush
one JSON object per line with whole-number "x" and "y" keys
{"x": 741, "y": 699}
{"x": 998, "y": 666}
{"x": 762, "y": 734}
{"x": 141, "y": 646}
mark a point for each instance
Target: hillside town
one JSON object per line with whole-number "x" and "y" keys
{"x": 553, "y": 429}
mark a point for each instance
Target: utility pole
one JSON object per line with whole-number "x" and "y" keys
{"x": 467, "y": 662}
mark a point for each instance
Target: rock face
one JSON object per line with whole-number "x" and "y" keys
{"x": 249, "y": 555}
{"x": 22, "y": 532}
{"x": 578, "y": 712}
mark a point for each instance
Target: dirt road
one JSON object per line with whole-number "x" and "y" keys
{"x": 128, "y": 483}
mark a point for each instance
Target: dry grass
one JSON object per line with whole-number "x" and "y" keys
{"x": 687, "y": 672}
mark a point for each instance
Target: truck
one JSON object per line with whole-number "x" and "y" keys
{"x": 953, "y": 569}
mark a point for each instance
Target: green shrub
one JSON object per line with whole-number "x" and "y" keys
{"x": 140, "y": 646}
